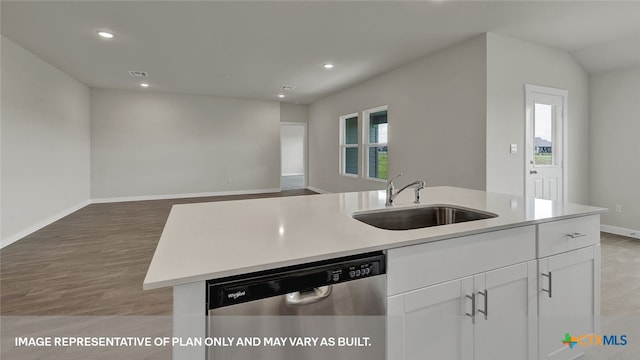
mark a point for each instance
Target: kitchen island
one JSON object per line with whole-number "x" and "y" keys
{"x": 215, "y": 240}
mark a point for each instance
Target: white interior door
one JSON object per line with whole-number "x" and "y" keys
{"x": 545, "y": 139}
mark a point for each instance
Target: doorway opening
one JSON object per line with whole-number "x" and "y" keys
{"x": 546, "y": 155}
{"x": 293, "y": 155}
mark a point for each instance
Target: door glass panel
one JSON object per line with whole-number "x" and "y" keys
{"x": 543, "y": 134}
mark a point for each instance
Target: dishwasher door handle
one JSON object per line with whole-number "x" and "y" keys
{"x": 308, "y": 297}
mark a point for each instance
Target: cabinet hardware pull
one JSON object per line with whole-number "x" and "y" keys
{"x": 550, "y": 286}
{"x": 486, "y": 303}
{"x": 473, "y": 308}
{"x": 576, "y": 235}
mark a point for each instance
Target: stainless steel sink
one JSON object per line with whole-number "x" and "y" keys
{"x": 420, "y": 217}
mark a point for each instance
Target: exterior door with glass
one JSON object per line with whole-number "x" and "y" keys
{"x": 545, "y": 155}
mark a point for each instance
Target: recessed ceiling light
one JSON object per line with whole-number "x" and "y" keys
{"x": 328, "y": 66}
{"x": 105, "y": 34}
{"x": 144, "y": 85}
{"x": 280, "y": 96}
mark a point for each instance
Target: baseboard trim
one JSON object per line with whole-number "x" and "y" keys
{"x": 620, "y": 231}
{"x": 179, "y": 196}
{"x": 318, "y": 190}
{"x": 48, "y": 221}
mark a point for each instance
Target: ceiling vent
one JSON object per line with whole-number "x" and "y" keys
{"x": 139, "y": 73}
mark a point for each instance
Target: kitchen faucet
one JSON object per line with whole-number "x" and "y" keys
{"x": 418, "y": 185}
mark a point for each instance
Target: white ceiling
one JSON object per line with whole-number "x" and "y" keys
{"x": 251, "y": 49}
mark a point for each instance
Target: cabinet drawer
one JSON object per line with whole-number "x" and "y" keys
{"x": 417, "y": 266}
{"x": 565, "y": 235}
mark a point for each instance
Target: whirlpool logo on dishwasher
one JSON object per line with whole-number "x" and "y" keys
{"x": 236, "y": 294}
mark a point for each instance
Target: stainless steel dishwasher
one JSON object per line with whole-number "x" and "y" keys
{"x": 332, "y": 309}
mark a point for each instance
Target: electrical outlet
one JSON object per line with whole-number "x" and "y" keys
{"x": 618, "y": 208}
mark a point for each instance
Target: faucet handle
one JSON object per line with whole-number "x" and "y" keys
{"x": 389, "y": 182}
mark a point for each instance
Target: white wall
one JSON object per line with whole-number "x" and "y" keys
{"x": 615, "y": 146}
{"x": 45, "y": 143}
{"x": 436, "y": 121}
{"x": 158, "y": 144}
{"x": 511, "y": 63}
{"x": 292, "y": 147}
{"x": 294, "y": 113}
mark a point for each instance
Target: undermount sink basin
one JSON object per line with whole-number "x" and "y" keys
{"x": 420, "y": 217}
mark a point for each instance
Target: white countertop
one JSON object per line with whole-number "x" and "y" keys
{"x": 212, "y": 240}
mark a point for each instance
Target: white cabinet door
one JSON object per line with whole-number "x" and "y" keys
{"x": 430, "y": 323}
{"x": 568, "y": 300}
{"x": 506, "y": 313}
{"x": 439, "y": 322}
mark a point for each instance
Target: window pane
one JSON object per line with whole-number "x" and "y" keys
{"x": 378, "y": 162}
{"x": 351, "y": 130}
{"x": 543, "y": 134}
{"x": 351, "y": 160}
{"x": 378, "y": 127}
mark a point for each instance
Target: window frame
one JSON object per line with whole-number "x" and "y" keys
{"x": 343, "y": 146}
{"x": 366, "y": 145}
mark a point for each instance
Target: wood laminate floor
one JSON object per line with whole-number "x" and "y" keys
{"x": 93, "y": 262}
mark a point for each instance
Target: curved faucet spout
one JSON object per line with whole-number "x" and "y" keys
{"x": 418, "y": 184}
{"x": 391, "y": 194}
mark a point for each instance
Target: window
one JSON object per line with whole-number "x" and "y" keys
{"x": 349, "y": 145}
{"x": 375, "y": 143}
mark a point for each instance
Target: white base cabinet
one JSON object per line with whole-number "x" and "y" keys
{"x": 569, "y": 300}
{"x": 431, "y": 321}
{"x": 509, "y": 294}
{"x": 505, "y": 325}
{"x": 486, "y": 316}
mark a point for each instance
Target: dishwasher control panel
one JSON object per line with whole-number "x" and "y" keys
{"x": 354, "y": 271}
{"x": 250, "y": 287}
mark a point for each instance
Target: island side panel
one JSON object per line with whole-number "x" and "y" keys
{"x": 597, "y": 278}
{"x": 189, "y": 318}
